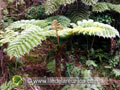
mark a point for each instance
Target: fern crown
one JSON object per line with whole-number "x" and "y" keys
{"x": 28, "y": 34}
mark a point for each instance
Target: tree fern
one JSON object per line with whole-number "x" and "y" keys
{"x": 103, "y": 6}
{"x": 33, "y": 35}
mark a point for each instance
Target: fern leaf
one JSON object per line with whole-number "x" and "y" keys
{"x": 91, "y": 62}
{"x": 116, "y": 72}
{"x": 8, "y": 36}
{"x": 24, "y": 42}
{"x": 103, "y": 6}
{"x": 114, "y": 7}
{"x": 32, "y": 35}
{"x": 7, "y": 86}
{"x": 89, "y": 2}
{"x": 100, "y": 7}
{"x": 95, "y": 28}
{"x": 53, "y": 5}
{"x": 78, "y": 13}
{"x": 89, "y": 27}
{"x": 23, "y": 24}
{"x": 75, "y": 16}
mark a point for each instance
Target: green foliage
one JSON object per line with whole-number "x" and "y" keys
{"x": 98, "y": 54}
{"x": 83, "y": 87}
{"x": 10, "y": 1}
{"x": 103, "y": 6}
{"x": 103, "y": 18}
{"x": 91, "y": 63}
{"x": 64, "y": 21}
{"x": 86, "y": 73}
{"x": 36, "y": 12}
{"x": 7, "y": 36}
{"x": 53, "y": 5}
{"x": 69, "y": 68}
{"x": 95, "y": 28}
{"x": 51, "y": 66}
{"x": 17, "y": 80}
{"x": 116, "y": 72}
{"x": 31, "y": 34}
{"x": 89, "y": 2}
{"x": 24, "y": 42}
{"x": 100, "y": 7}
{"x": 78, "y": 13}
{"x": 114, "y": 61}
{"x": 76, "y": 16}
{"x": 7, "y": 86}
{"x": 23, "y": 24}
{"x": 82, "y": 74}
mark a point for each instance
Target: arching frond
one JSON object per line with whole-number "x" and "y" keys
{"x": 53, "y": 5}
{"x": 7, "y": 36}
{"x": 27, "y": 40}
{"x": 114, "y": 7}
{"x": 23, "y": 24}
{"x": 22, "y": 42}
{"x": 78, "y": 13}
{"x": 95, "y": 28}
{"x": 89, "y": 2}
{"x": 100, "y": 7}
{"x": 103, "y": 6}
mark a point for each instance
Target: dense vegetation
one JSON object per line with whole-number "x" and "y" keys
{"x": 59, "y": 38}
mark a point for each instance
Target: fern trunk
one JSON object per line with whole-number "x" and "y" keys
{"x": 58, "y": 72}
{"x": 58, "y": 64}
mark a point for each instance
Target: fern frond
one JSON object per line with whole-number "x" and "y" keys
{"x": 89, "y": 27}
{"x": 89, "y": 2}
{"x": 77, "y": 16}
{"x": 7, "y": 86}
{"x": 23, "y": 24}
{"x": 27, "y": 40}
{"x": 33, "y": 35}
{"x": 114, "y": 7}
{"x": 95, "y": 28}
{"x": 91, "y": 63}
{"x": 24, "y": 42}
{"x": 78, "y": 13}
{"x": 103, "y": 6}
{"x": 116, "y": 72}
{"x": 8, "y": 36}
{"x": 100, "y": 7}
{"x": 53, "y": 5}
